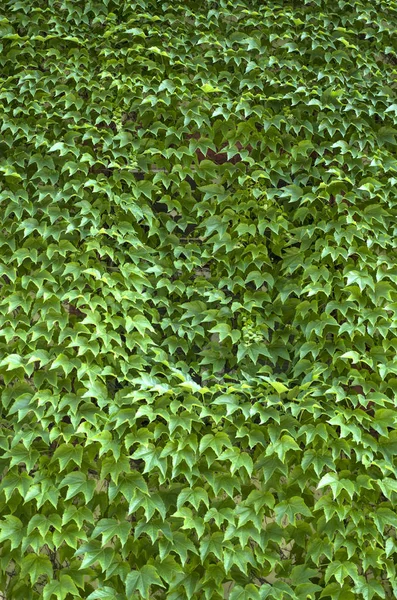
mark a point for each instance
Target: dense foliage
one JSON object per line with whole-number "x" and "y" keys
{"x": 198, "y": 308}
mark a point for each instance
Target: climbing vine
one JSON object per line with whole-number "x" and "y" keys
{"x": 198, "y": 299}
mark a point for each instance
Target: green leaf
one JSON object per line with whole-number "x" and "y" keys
{"x": 384, "y": 517}
{"x": 93, "y": 552}
{"x": 208, "y": 88}
{"x": 194, "y": 496}
{"x": 212, "y": 545}
{"x": 341, "y": 570}
{"x": 11, "y": 528}
{"x": 369, "y": 589}
{"x": 142, "y": 580}
{"x": 60, "y": 588}
{"x": 78, "y": 483}
{"x": 336, "y": 592}
{"x": 104, "y": 593}
{"x": 66, "y": 453}
{"x": 146, "y": 188}
{"x": 290, "y": 508}
{"x": 109, "y": 528}
{"x": 36, "y": 565}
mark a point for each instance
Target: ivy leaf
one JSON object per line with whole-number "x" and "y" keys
{"x": 278, "y": 386}
{"x": 146, "y": 188}
{"x": 142, "y": 580}
{"x": 78, "y": 483}
{"x": 384, "y": 517}
{"x": 11, "y": 528}
{"x": 109, "y": 528}
{"x": 60, "y": 588}
{"x": 212, "y": 545}
{"x": 93, "y": 552}
{"x": 208, "y": 88}
{"x": 249, "y": 592}
{"x": 369, "y": 589}
{"x": 341, "y": 570}
{"x": 290, "y": 508}
{"x": 337, "y": 592}
{"x": 302, "y": 574}
{"x": 223, "y": 329}
{"x": 66, "y": 453}
{"x": 194, "y": 496}
{"x": 36, "y": 565}
{"x": 104, "y": 593}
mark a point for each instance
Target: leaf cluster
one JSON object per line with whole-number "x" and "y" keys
{"x": 198, "y": 300}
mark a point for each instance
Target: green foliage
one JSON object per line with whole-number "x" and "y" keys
{"x": 198, "y": 300}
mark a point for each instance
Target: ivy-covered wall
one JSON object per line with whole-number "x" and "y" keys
{"x": 198, "y": 305}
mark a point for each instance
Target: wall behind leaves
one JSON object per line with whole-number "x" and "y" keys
{"x": 198, "y": 307}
